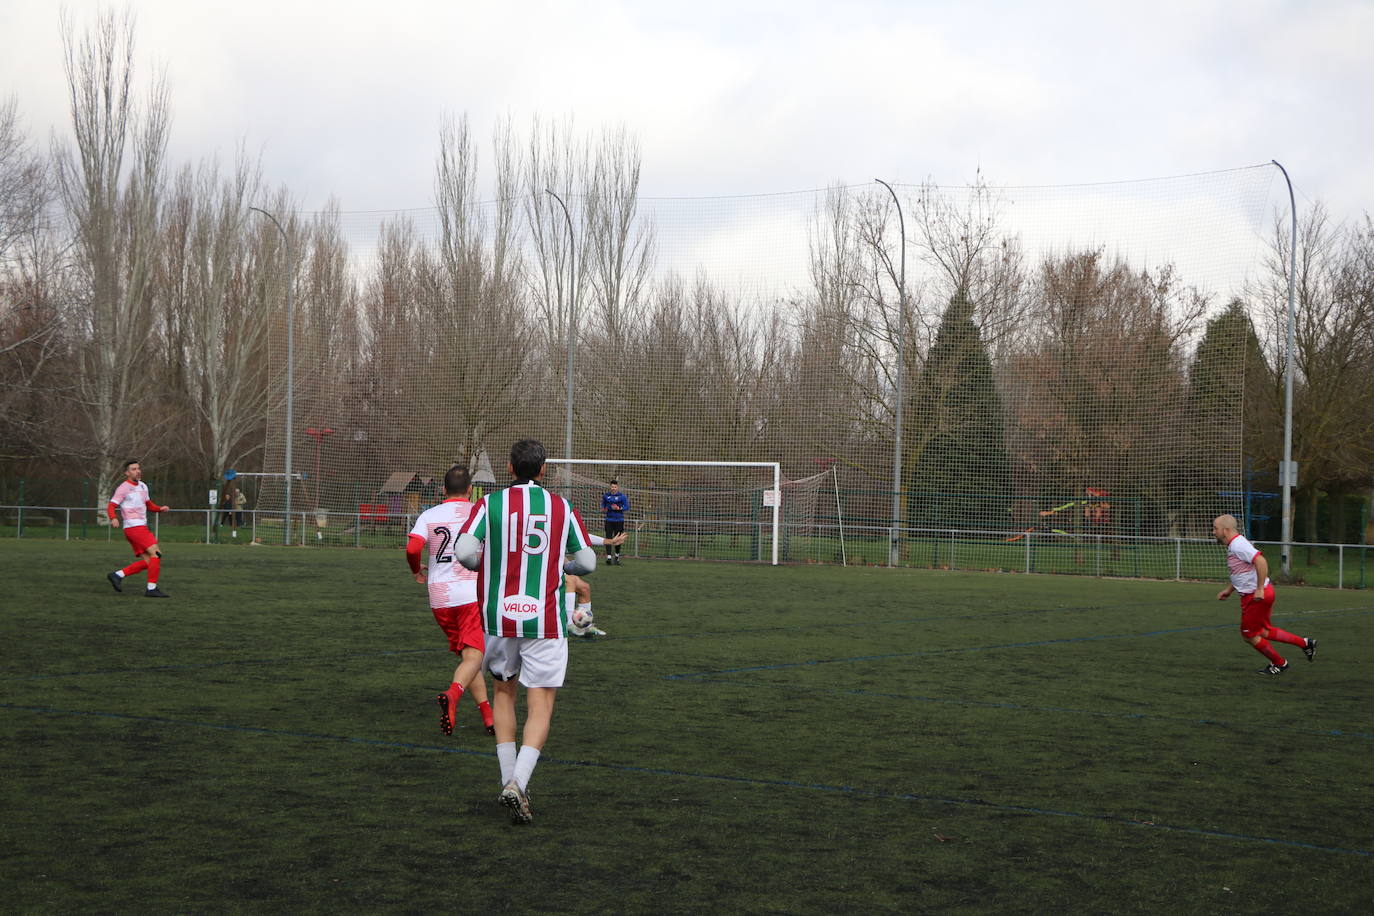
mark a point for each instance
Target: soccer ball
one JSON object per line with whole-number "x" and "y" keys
{"x": 582, "y": 618}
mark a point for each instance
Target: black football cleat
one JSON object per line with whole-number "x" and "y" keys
{"x": 1310, "y": 649}
{"x": 155, "y": 592}
{"x": 115, "y": 580}
{"x": 445, "y": 713}
{"x": 1274, "y": 669}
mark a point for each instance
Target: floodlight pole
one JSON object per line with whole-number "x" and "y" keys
{"x": 572, "y": 323}
{"x": 290, "y": 362}
{"x": 1287, "y": 470}
{"x": 892, "y": 551}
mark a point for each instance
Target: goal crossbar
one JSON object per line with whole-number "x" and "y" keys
{"x": 774, "y": 465}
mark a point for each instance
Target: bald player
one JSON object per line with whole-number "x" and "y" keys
{"x": 1249, "y": 572}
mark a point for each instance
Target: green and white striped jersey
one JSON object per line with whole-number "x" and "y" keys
{"x": 525, "y": 532}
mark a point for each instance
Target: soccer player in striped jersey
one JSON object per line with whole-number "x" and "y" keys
{"x": 452, "y": 594}
{"x": 132, "y": 503}
{"x": 1249, "y": 572}
{"x": 516, "y": 540}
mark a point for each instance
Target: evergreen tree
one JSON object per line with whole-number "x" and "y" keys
{"x": 1226, "y": 414}
{"x": 960, "y": 476}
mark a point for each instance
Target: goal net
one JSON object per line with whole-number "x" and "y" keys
{"x": 1068, "y": 362}
{"x": 696, "y": 509}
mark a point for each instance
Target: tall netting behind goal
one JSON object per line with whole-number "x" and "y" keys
{"x": 715, "y": 510}
{"x": 1069, "y": 366}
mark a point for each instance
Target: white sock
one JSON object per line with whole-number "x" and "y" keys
{"x": 234, "y": 534}
{"x": 151, "y": 586}
{"x": 524, "y": 765}
{"x": 505, "y": 755}
{"x": 585, "y": 607}
{"x": 120, "y": 573}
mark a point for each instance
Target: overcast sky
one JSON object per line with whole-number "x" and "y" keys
{"x": 344, "y": 97}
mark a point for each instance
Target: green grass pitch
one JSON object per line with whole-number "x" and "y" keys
{"x": 747, "y": 739}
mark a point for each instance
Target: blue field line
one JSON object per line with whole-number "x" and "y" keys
{"x": 1062, "y": 640}
{"x": 847, "y": 625}
{"x": 1019, "y": 707}
{"x": 856, "y": 791}
{"x": 225, "y": 663}
{"x": 246, "y": 729}
{"x": 1021, "y": 612}
{"x": 695, "y": 634}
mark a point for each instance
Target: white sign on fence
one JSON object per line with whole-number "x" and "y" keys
{"x": 1288, "y": 473}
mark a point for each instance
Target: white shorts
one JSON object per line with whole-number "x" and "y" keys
{"x": 539, "y": 662}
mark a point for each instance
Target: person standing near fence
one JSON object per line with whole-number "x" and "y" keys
{"x": 516, "y": 539}
{"x": 1249, "y": 572}
{"x": 129, "y": 508}
{"x": 452, "y": 594}
{"x": 240, "y": 503}
{"x": 614, "y": 504}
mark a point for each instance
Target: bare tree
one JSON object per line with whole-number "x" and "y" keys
{"x": 30, "y": 277}
{"x": 960, "y": 238}
{"x": 477, "y": 296}
{"x": 25, "y": 184}
{"x": 217, "y": 313}
{"x": 1096, "y": 394}
{"x": 621, "y": 247}
{"x": 841, "y": 380}
{"x": 113, "y": 207}
{"x": 1333, "y": 402}
{"x": 554, "y": 161}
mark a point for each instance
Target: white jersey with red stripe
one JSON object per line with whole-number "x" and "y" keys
{"x": 1240, "y": 563}
{"x": 450, "y": 585}
{"x": 525, "y": 531}
{"x": 132, "y": 501}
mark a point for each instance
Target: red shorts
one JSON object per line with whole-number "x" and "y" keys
{"x": 1255, "y": 609}
{"x": 140, "y": 538}
{"x": 463, "y": 626}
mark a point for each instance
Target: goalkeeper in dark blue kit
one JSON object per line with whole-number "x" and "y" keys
{"x": 615, "y": 504}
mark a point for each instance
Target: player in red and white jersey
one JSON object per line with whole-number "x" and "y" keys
{"x": 1249, "y": 572}
{"x": 516, "y": 539}
{"x": 452, "y": 594}
{"x": 132, "y": 502}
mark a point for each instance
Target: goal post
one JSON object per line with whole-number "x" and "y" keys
{"x": 771, "y": 497}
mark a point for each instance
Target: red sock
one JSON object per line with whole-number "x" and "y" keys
{"x": 485, "y": 709}
{"x": 1263, "y": 648}
{"x": 132, "y": 568}
{"x": 1284, "y": 636}
{"x": 154, "y": 567}
{"x": 455, "y": 693}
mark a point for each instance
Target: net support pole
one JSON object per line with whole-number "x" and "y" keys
{"x": 290, "y": 362}
{"x": 777, "y": 507}
{"x": 1288, "y": 475}
{"x": 839, "y": 515}
{"x": 892, "y": 550}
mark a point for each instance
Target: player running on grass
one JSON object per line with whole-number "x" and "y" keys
{"x": 1250, "y": 576}
{"x": 132, "y": 502}
{"x": 452, "y": 594}
{"x": 526, "y": 531}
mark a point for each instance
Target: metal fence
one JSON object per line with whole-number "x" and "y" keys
{"x": 1132, "y": 557}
